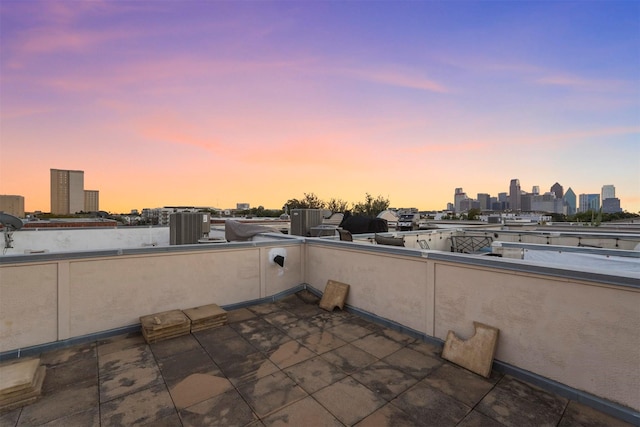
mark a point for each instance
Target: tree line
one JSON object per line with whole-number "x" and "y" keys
{"x": 370, "y": 206}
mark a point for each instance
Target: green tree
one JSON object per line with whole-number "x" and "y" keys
{"x": 337, "y": 205}
{"x": 371, "y": 207}
{"x": 310, "y": 201}
{"x": 473, "y": 214}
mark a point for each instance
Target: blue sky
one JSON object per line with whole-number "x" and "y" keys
{"x": 407, "y": 100}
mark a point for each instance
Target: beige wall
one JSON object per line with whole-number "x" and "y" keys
{"x": 574, "y": 331}
{"x": 56, "y": 300}
{"x": 579, "y": 333}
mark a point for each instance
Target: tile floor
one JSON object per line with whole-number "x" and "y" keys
{"x": 284, "y": 363}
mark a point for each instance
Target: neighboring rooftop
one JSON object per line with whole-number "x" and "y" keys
{"x": 287, "y": 362}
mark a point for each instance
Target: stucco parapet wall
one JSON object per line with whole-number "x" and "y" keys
{"x": 273, "y": 240}
{"x": 631, "y": 280}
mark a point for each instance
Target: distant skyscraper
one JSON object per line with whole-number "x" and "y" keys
{"x": 570, "y": 200}
{"x": 458, "y": 197}
{"x": 611, "y": 205}
{"x": 484, "y": 200}
{"x": 558, "y": 190}
{"x": 589, "y": 202}
{"x": 91, "y": 200}
{"x": 12, "y": 205}
{"x": 535, "y": 190}
{"x": 67, "y": 191}
{"x": 515, "y": 195}
{"x": 608, "y": 192}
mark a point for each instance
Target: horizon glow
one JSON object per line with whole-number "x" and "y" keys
{"x": 165, "y": 103}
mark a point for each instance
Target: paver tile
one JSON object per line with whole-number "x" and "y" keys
{"x": 59, "y": 404}
{"x": 229, "y": 350}
{"x": 227, "y": 409}
{"x": 128, "y": 358}
{"x": 300, "y": 328}
{"x": 10, "y": 418}
{"x": 173, "y": 346}
{"x": 384, "y": 380}
{"x": 515, "y": 403}
{"x": 322, "y": 342}
{"x": 314, "y": 374}
{"x": 412, "y": 362}
{"x": 120, "y": 342}
{"x": 305, "y": 412}
{"x": 214, "y": 335}
{"x": 60, "y": 376}
{"x": 348, "y": 400}
{"x": 142, "y": 407}
{"x": 248, "y": 368}
{"x": 290, "y": 353}
{"x": 578, "y": 414}
{"x": 280, "y": 318}
{"x": 477, "y": 419}
{"x": 271, "y": 393}
{"x": 388, "y": 416}
{"x": 118, "y": 383}
{"x": 197, "y": 388}
{"x": 349, "y": 358}
{"x": 240, "y": 315}
{"x": 69, "y": 354}
{"x": 459, "y": 383}
{"x": 426, "y": 348}
{"x": 349, "y": 332}
{"x": 430, "y": 407}
{"x": 378, "y": 345}
{"x": 89, "y": 418}
{"x": 180, "y": 366}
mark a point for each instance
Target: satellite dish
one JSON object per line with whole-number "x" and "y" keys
{"x": 10, "y": 222}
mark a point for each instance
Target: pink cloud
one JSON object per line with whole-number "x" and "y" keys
{"x": 395, "y": 77}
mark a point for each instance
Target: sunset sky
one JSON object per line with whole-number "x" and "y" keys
{"x": 212, "y": 103}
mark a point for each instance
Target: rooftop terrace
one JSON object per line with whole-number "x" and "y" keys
{"x": 571, "y": 329}
{"x": 284, "y": 363}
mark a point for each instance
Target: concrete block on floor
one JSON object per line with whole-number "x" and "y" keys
{"x": 165, "y": 325}
{"x": 335, "y": 295}
{"x": 476, "y": 353}
{"x": 21, "y": 383}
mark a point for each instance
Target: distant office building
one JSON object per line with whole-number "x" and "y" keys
{"x": 535, "y": 190}
{"x": 458, "y": 197}
{"x": 243, "y": 206}
{"x": 484, "y": 201}
{"x": 12, "y": 205}
{"x": 558, "y": 190}
{"x": 91, "y": 200}
{"x": 608, "y": 192}
{"x": 589, "y": 202}
{"x": 515, "y": 195}
{"x": 611, "y": 205}
{"x": 525, "y": 202}
{"x": 570, "y": 201}
{"x": 67, "y": 191}
{"x": 548, "y": 202}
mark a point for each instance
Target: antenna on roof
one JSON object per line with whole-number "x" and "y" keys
{"x": 9, "y": 223}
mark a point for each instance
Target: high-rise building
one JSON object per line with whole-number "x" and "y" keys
{"x": 558, "y": 190}
{"x": 484, "y": 200}
{"x": 67, "y": 191}
{"x": 608, "y": 192}
{"x": 515, "y": 195}
{"x": 458, "y": 197}
{"x": 12, "y": 205}
{"x": 589, "y": 202}
{"x": 535, "y": 190}
{"x": 91, "y": 200}
{"x": 570, "y": 200}
{"x": 611, "y": 205}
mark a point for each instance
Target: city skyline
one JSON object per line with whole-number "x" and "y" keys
{"x": 215, "y": 103}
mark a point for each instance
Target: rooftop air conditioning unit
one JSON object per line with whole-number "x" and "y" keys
{"x": 187, "y": 228}
{"x": 303, "y": 219}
